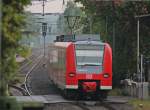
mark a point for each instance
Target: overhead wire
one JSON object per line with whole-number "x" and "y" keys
{"x": 38, "y": 2}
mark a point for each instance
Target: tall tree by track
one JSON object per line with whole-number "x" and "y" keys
{"x": 12, "y": 21}
{"x": 71, "y": 17}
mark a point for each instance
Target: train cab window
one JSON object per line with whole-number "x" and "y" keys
{"x": 89, "y": 58}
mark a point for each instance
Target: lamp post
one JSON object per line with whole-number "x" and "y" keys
{"x": 138, "y": 45}
{"x": 138, "y": 52}
{"x": 44, "y": 30}
{"x": 43, "y": 7}
{"x": 138, "y": 39}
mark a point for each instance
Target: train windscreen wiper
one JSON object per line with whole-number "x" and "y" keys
{"x": 90, "y": 64}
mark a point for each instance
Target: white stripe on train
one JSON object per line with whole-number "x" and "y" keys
{"x": 106, "y": 87}
{"x": 72, "y": 86}
{"x": 76, "y": 87}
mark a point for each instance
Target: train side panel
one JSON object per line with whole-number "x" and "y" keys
{"x": 106, "y": 82}
{"x": 57, "y": 66}
{"x": 71, "y": 80}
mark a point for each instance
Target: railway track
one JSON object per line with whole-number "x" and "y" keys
{"x": 102, "y": 106}
{"x": 26, "y": 62}
{"x": 84, "y": 105}
{"x": 29, "y": 62}
{"x": 18, "y": 90}
{"x": 39, "y": 82}
{"x": 27, "y": 77}
{"x": 25, "y": 69}
{"x": 34, "y": 80}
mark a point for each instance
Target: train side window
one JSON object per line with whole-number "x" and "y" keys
{"x": 59, "y": 58}
{"x": 63, "y": 60}
{"x": 54, "y": 57}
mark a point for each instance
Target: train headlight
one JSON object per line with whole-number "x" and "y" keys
{"x": 71, "y": 74}
{"x": 106, "y": 75}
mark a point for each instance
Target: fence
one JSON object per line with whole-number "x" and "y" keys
{"x": 136, "y": 89}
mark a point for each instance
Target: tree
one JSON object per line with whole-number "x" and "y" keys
{"x": 33, "y": 25}
{"x": 118, "y": 17}
{"x": 75, "y": 15}
{"x": 12, "y": 21}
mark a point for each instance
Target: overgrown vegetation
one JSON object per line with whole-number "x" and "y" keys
{"x": 9, "y": 103}
{"x": 140, "y": 104}
{"x": 115, "y": 21}
{"x": 71, "y": 19}
{"x": 12, "y": 21}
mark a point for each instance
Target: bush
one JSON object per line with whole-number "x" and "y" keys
{"x": 9, "y": 103}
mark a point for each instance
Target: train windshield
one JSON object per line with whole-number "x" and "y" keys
{"x": 89, "y": 58}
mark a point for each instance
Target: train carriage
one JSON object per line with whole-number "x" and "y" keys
{"x": 81, "y": 67}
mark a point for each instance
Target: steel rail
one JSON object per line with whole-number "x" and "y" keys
{"x": 22, "y": 90}
{"x": 84, "y": 106}
{"x": 29, "y": 72}
{"x": 26, "y": 63}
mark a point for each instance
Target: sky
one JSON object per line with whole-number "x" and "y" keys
{"x": 51, "y": 6}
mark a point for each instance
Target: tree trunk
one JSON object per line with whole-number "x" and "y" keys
{"x": 4, "y": 88}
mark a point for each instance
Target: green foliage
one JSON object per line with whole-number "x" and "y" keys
{"x": 32, "y": 104}
{"x": 23, "y": 51}
{"x": 73, "y": 11}
{"x": 32, "y": 25}
{"x": 121, "y": 14}
{"x": 9, "y": 103}
{"x": 12, "y": 22}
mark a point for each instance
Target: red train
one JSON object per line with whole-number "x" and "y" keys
{"x": 81, "y": 68}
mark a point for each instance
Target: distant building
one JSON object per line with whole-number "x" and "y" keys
{"x": 51, "y": 20}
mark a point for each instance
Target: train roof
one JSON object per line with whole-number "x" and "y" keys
{"x": 75, "y": 38}
{"x": 62, "y": 44}
{"x": 90, "y": 42}
{"x": 66, "y": 40}
{"x": 66, "y": 44}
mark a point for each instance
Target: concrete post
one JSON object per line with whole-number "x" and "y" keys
{"x": 142, "y": 91}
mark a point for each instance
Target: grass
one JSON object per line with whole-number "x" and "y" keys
{"x": 140, "y": 104}
{"x": 115, "y": 92}
{"x": 32, "y": 104}
{"x": 9, "y": 103}
{"x": 18, "y": 79}
{"x": 30, "y": 62}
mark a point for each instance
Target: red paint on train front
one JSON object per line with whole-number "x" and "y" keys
{"x": 72, "y": 77}
{"x": 107, "y": 67}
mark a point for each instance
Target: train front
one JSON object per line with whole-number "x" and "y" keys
{"x": 93, "y": 68}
